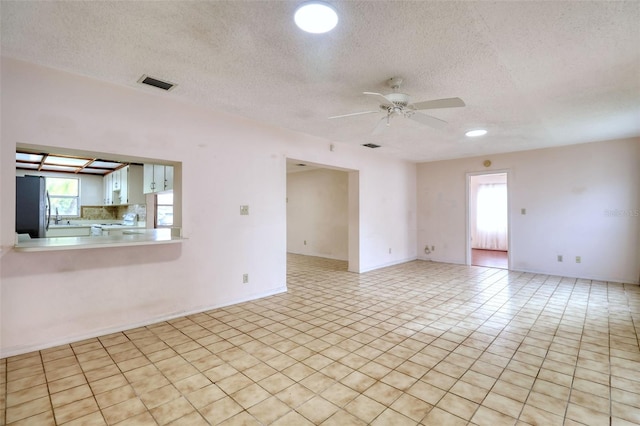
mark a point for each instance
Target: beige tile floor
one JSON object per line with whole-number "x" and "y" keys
{"x": 418, "y": 343}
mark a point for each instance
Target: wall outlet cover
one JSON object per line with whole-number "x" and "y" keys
{"x": 244, "y": 210}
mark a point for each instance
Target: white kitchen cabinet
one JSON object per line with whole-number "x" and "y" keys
{"x": 112, "y": 183}
{"x": 108, "y": 189}
{"x": 135, "y": 193}
{"x": 168, "y": 177}
{"x": 124, "y": 186}
{"x": 149, "y": 178}
{"x": 157, "y": 178}
{"x": 116, "y": 181}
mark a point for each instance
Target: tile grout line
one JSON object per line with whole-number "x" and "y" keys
{"x": 5, "y": 361}
{"x": 511, "y": 358}
{"x": 573, "y": 375}
{"x": 524, "y": 403}
{"x": 44, "y": 372}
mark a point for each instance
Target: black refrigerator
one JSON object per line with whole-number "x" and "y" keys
{"x": 32, "y": 206}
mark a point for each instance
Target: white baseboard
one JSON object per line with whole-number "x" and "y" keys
{"x": 392, "y": 263}
{"x": 591, "y": 278}
{"x": 322, "y": 255}
{"x": 22, "y": 349}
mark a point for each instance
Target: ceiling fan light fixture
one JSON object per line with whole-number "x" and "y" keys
{"x": 475, "y": 133}
{"x": 316, "y": 17}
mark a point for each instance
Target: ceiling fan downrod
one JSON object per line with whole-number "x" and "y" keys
{"x": 394, "y": 83}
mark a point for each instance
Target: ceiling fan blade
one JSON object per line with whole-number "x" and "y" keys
{"x": 440, "y": 103}
{"x": 382, "y": 123}
{"x": 427, "y": 119}
{"x": 352, "y": 114}
{"x": 387, "y": 101}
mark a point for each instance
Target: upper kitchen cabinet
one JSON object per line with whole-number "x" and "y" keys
{"x": 124, "y": 186}
{"x": 117, "y": 180}
{"x": 134, "y": 185}
{"x": 108, "y": 189}
{"x": 157, "y": 178}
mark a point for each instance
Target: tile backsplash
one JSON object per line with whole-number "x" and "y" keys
{"x": 113, "y": 212}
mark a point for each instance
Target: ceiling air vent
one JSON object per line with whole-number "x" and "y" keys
{"x": 164, "y": 85}
{"x": 371, "y": 145}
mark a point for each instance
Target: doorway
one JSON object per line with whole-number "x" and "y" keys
{"x": 323, "y": 212}
{"x": 488, "y": 224}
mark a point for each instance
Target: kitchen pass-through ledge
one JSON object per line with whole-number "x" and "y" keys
{"x": 128, "y": 238}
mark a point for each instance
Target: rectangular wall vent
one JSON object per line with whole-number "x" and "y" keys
{"x": 371, "y": 145}
{"x": 164, "y": 85}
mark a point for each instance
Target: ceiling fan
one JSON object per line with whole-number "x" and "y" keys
{"x": 398, "y": 104}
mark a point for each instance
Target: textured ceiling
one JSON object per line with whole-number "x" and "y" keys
{"x": 535, "y": 74}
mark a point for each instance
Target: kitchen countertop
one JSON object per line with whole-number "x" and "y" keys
{"x": 129, "y": 238}
{"x": 89, "y": 223}
{"x": 64, "y": 226}
{"x": 122, "y": 227}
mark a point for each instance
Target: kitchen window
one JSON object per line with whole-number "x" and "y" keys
{"x": 65, "y": 196}
{"x": 164, "y": 209}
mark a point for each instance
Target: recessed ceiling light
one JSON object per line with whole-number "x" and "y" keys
{"x": 475, "y": 133}
{"x": 316, "y": 17}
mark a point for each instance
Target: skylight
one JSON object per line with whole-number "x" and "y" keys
{"x": 46, "y": 162}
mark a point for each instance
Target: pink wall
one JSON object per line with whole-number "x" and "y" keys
{"x": 318, "y": 213}
{"x": 567, "y": 192}
{"x": 50, "y": 298}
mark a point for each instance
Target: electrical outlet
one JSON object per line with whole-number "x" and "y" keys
{"x": 523, "y": 211}
{"x": 244, "y": 210}
{"x": 389, "y": 250}
{"x": 305, "y": 242}
{"x": 245, "y": 278}
{"x": 578, "y": 259}
{"x": 559, "y": 258}
{"x": 433, "y": 248}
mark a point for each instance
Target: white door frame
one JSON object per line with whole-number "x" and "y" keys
{"x": 468, "y": 212}
{"x": 353, "y": 200}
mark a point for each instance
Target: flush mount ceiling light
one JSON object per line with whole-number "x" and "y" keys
{"x": 316, "y": 17}
{"x": 475, "y": 133}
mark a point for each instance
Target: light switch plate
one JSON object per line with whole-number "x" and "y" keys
{"x": 244, "y": 210}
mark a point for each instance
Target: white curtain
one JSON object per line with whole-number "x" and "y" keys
{"x": 491, "y": 217}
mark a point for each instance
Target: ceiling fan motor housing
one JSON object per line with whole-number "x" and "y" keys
{"x": 398, "y": 99}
